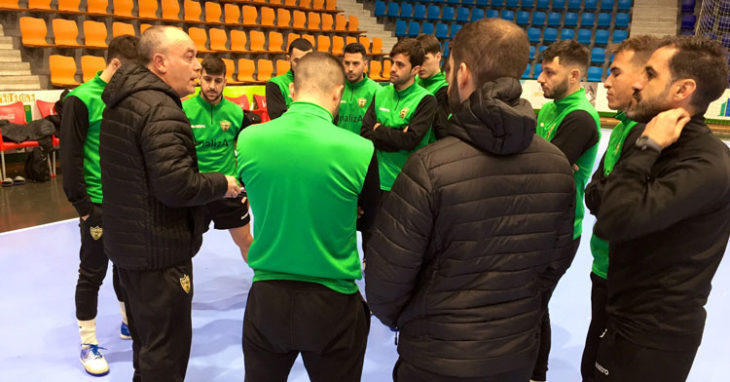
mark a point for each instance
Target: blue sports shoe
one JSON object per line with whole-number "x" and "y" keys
{"x": 124, "y": 332}
{"x": 93, "y": 360}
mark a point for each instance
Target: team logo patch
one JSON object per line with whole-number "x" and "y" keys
{"x": 404, "y": 112}
{"x": 96, "y": 232}
{"x": 185, "y": 283}
{"x": 361, "y": 102}
{"x": 225, "y": 125}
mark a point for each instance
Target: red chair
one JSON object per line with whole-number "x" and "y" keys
{"x": 15, "y": 113}
{"x": 241, "y": 101}
{"x": 49, "y": 108}
{"x": 261, "y": 108}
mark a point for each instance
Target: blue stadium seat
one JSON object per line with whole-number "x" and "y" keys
{"x": 434, "y": 12}
{"x": 542, "y": 49}
{"x": 726, "y": 42}
{"x": 590, "y": 5}
{"x": 622, "y": 20}
{"x": 511, "y": 3}
{"x": 724, "y": 23}
{"x": 587, "y": 20}
{"x": 601, "y": 36}
{"x": 598, "y": 55}
{"x": 554, "y": 19}
{"x": 401, "y": 28}
{"x": 688, "y": 22}
{"x": 446, "y": 49}
{"x": 551, "y": 34}
{"x": 567, "y": 34}
{"x": 527, "y": 4}
{"x": 538, "y": 70}
{"x": 533, "y": 34}
{"x": 508, "y": 15}
{"x": 447, "y": 14}
{"x": 574, "y": 5}
{"x": 594, "y": 74}
{"x": 380, "y": 8}
{"x": 453, "y": 1}
{"x": 414, "y": 28}
{"x": 393, "y": 10}
{"x": 532, "y": 52}
{"x": 619, "y": 35}
{"x": 624, "y": 5}
{"x": 543, "y": 4}
{"x": 571, "y": 19}
{"x": 607, "y": 5}
{"x": 497, "y": 3}
{"x": 419, "y": 12}
{"x": 442, "y": 30}
{"x": 523, "y": 18}
{"x": 584, "y": 36}
{"x": 538, "y": 19}
{"x": 476, "y": 14}
{"x": 462, "y": 15}
{"x": 526, "y": 74}
{"x": 558, "y": 5}
{"x": 492, "y": 13}
{"x": 688, "y": 6}
{"x": 427, "y": 28}
{"x": 604, "y": 20}
{"x": 454, "y": 29}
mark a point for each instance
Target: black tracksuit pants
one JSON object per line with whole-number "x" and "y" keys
{"x": 599, "y": 318}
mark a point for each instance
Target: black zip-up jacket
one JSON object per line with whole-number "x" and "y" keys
{"x": 149, "y": 174}
{"x": 469, "y": 226}
{"x": 667, "y": 218}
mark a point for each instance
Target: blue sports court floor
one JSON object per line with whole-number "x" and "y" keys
{"x": 38, "y": 268}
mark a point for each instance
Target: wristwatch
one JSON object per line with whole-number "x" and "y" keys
{"x": 644, "y": 143}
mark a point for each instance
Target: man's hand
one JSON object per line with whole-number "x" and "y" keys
{"x": 85, "y": 217}
{"x": 406, "y": 129}
{"x": 233, "y": 188}
{"x": 375, "y": 126}
{"x": 665, "y": 127}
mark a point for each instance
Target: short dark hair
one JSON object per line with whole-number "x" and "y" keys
{"x": 704, "y": 61}
{"x": 570, "y": 53}
{"x": 123, "y": 48}
{"x": 491, "y": 48}
{"x": 302, "y": 44}
{"x": 356, "y": 47}
{"x": 411, "y": 48}
{"x": 642, "y": 46}
{"x": 213, "y": 65}
{"x": 429, "y": 43}
{"x": 320, "y": 72}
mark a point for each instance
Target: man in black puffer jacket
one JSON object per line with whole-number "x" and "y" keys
{"x": 471, "y": 223}
{"x": 152, "y": 187}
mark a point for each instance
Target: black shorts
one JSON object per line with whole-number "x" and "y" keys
{"x": 227, "y": 213}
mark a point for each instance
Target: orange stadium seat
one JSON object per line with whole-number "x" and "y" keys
{"x": 63, "y": 70}
{"x": 238, "y": 41}
{"x": 377, "y": 45}
{"x": 33, "y": 32}
{"x": 232, "y": 14}
{"x": 95, "y": 34}
{"x": 246, "y": 70}
{"x": 340, "y": 23}
{"x": 276, "y": 40}
{"x": 250, "y": 14}
{"x": 350, "y": 40}
{"x": 365, "y": 42}
{"x": 97, "y": 7}
{"x": 353, "y": 23}
{"x": 230, "y": 71}
{"x": 323, "y": 43}
{"x": 267, "y": 17}
{"x": 283, "y": 18}
{"x": 120, "y": 29}
{"x": 200, "y": 38}
{"x": 123, "y": 8}
{"x": 299, "y": 20}
{"x": 68, "y": 6}
{"x": 331, "y": 5}
{"x": 327, "y": 22}
{"x": 259, "y": 1}
{"x": 147, "y": 9}
{"x": 170, "y": 10}
{"x": 386, "y": 69}
{"x": 39, "y": 5}
{"x": 266, "y": 69}
{"x": 318, "y": 5}
{"x": 313, "y": 21}
{"x": 10, "y": 5}
{"x": 338, "y": 45}
{"x": 191, "y": 10}
{"x": 258, "y": 39}
{"x": 306, "y": 4}
{"x": 291, "y": 37}
{"x": 376, "y": 68}
{"x": 282, "y": 66}
{"x": 290, "y": 3}
{"x": 144, "y": 27}
{"x": 212, "y": 12}
{"x": 309, "y": 38}
{"x": 90, "y": 65}
{"x": 218, "y": 39}
{"x": 65, "y": 33}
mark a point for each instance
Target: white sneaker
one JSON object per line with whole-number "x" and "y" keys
{"x": 93, "y": 361}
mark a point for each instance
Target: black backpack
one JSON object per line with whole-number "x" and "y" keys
{"x": 36, "y": 166}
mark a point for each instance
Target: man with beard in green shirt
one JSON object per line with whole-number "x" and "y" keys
{"x": 278, "y": 98}
{"x": 431, "y": 78}
{"x": 359, "y": 89}
{"x": 216, "y": 123}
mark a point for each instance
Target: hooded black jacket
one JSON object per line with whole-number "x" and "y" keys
{"x": 469, "y": 226}
{"x": 149, "y": 174}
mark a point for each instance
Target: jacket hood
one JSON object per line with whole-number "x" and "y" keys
{"x": 133, "y": 78}
{"x": 495, "y": 119}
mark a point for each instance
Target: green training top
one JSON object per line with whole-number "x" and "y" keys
{"x": 303, "y": 177}
{"x": 434, "y": 83}
{"x": 215, "y": 128}
{"x": 355, "y": 102}
{"x": 548, "y": 120}
{"x": 90, "y": 94}
{"x": 599, "y": 247}
{"x": 395, "y": 110}
{"x": 283, "y": 82}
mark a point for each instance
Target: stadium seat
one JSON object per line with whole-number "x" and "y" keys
{"x": 365, "y": 41}
{"x": 607, "y": 5}
{"x": 212, "y": 12}
{"x": 537, "y": 70}
{"x": 394, "y": 10}
{"x": 512, "y": 4}
{"x": 246, "y": 70}
{"x": 120, "y": 29}
{"x": 571, "y": 20}
{"x": 550, "y": 35}
{"x": 63, "y": 70}
{"x": 455, "y": 28}
{"x": 230, "y": 80}
{"x": 218, "y": 39}
{"x": 380, "y": 8}
{"x": 543, "y": 4}
{"x": 533, "y": 34}
{"x": 558, "y": 5}
{"x": 33, "y": 32}
{"x": 299, "y": 20}
{"x": 376, "y": 68}
{"x": 68, "y": 6}
{"x": 401, "y": 28}
{"x": 619, "y": 35}
{"x": 554, "y": 19}
{"x": 338, "y": 45}
{"x": 414, "y": 28}
{"x": 523, "y": 18}
{"x": 314, "y": 21}
{"x": 257, "y": 40}
{"x": 191, "y": 12}
{"x": 448, "y": 14}
{"x": 462, "y": 15}
{"x": 598, "y": 55}
{"x": 353, "y": 23}
{"x": 442, "y": 31}
{"x": 688, "y": 6}
{"x": 40, "y": 5}
{"x": 95, "y": 34}
{"x": 492, "y": 13}
{"x": 419, "y": 12}
{"x": 604, "y": 20}
{"x": 587, "y": 20}
{"x": 590, "y": 5}
{"x": 377, "y": 45}
{"x": 318, "y": 5}
{"x": 532, "y": 52}
{"x": 328, "y": 22}
{"x": 387, "y": 64}
{"x": 146, "y": 9}
{"x": 567, "y": 34}
{"x": 143, "y": 27}
{"x": 351, "y": 40}
{"x": 434, "y": 12}
{"x": 323, "y": 43}
{"x": 238, "y": 41}
{"x": 624, "y": 5}
{"x": 508, "y": 15}
{"x": 726, "y": 43}
{"x": 601, "y": 37}
{"x": 538, "y": 19}
{"x": 306, "y": 4}
{"x": 476, "y": 14}
{"x": 427, "y": 28}
{"x": 10, "y": 5}
{"x": 595, "y": 74}
{"x": 283, "y": 18}
{"x": 723, "y": 24}
{"x": 622, "y": 20}
{"x": 574, "y": 5}
{"x": 495, "y": 3}
{"x": 65, "y": 33}
{"x": 90, "y": 65}
{"x": 268, "y": 15}
{"x": 526, "y": 73}
{"x": 688, "y": 22}
{"x": 170, "y": 10}
{"x": 282, "y": 66}
{"x": 200, "y": 38}
{"x": 446, "y": 49}
{"x": 584, "y": 36}
{"x": 340, "y": 23}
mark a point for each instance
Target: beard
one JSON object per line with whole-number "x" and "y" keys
{"x": 644, "y": 109}
{"x": 454, "y": 97}
{"x": 559, "y": 91}
{"x": 215, "y": 99}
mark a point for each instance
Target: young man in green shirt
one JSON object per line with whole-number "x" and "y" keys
{"x": 80, "y": 126}
{"x": 359, "y": 89}
{"x": 431, "y": 78}
{"x": 629, "y": 59}
{"x": 572, "y": 124}
{"x": 307, "y": 179}
{"x": 216, "y": 123}
{"x": 278, "y": 98}
{"x": 399, "y": 119}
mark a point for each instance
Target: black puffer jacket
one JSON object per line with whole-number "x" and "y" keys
{"x": 149, "y": 174}
{"x": 470, "y": 223}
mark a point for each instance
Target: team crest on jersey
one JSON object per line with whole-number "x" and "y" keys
{"x": 361, "y": 102}
{"x": 96, "y": 232}
{"x": 185, "y": 283}
{"x": 225, "y": 125}
{"x": 403, "y": 112}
